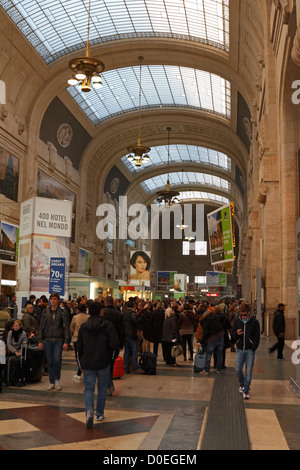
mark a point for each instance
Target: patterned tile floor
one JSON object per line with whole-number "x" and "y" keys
{"x": 162, "y": 412}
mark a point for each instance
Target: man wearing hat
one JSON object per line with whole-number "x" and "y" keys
{"x": 279, "y": 330}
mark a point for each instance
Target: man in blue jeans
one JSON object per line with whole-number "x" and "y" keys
{"x": 246, "y": 335}
{"x": 53, "y": 338}
{"x": 97, "y": 346}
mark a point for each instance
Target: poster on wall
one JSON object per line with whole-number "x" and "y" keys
{"x": 50, "y": 188}
{"x": 83, "y": 261}
{"x": 220, "y": 235}
{"x": 139, "y": 272}
{"x": 9, "y": 175}
{"x": 9, "y": 242}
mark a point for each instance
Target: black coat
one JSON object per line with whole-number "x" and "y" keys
{"x": 97, "y": 343}
{"x": 147, "y": 324}
{"x": 157, "y": 324}
{"x": 170, "y": 329}
{"x": 250, "y": 338}
{"x": 212, "y": 326}
{"x": 279, "y": 322}
{"x": 115, "y": 316}
{"x": 130, "y": 323}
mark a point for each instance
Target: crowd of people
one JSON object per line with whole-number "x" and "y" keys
{"x": 99, "y": 329}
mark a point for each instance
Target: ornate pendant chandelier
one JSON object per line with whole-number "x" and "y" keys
{"x": 168, "y": 196}
{"x": 138, "y": 152}
{"x": 86, "y": 70}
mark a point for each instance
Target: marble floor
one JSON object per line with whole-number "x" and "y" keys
{"x": 152, "y": 413}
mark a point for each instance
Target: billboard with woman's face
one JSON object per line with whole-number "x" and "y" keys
{"x": 139, "y": 273}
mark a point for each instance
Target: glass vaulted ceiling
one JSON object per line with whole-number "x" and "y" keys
{"x": 185, "y": 178}
{"x": 58, "y": 27}
{"x": 182, "y": 153}
{"x": 162, "y": 86}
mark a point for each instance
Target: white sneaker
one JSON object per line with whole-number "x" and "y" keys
{"x": 246, "y": 395}
{"x": 57, "y": 385}
{"x": 241, "y": 389}
{"x": 99, "y": 418}
{"x": 51, "y": 387}
{"x": 77, "y": 378}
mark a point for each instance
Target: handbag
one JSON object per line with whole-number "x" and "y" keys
{"x": 177, "y": 350}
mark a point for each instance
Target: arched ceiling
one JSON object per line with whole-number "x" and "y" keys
{"x": 207, "y": 34}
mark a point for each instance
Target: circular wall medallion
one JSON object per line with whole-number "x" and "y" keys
{"x": 114, "y": 185}
{"x": 64, "y": 135}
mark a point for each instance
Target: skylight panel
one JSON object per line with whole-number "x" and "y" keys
{"x": 184, "y": 154}
{"x": 184, "y": 178}
{"x": 162, "y": 86}
{"x": 205, "y": 21}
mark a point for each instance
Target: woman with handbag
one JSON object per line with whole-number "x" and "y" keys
{"x": 170, "y": 336}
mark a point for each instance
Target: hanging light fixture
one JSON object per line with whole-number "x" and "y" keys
{"x": 167, "y": 196}
{"x": 86, "y": 70}
{"x": 139, "y": 153}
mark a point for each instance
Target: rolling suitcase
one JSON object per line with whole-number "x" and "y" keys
{"x": 118, "y": 368}
{"x": 199, "y": 361}
{"x": 14, "y": 373}
{"x": 33, "y": 364}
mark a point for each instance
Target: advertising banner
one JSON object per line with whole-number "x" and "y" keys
{"x": 220, "y": 235}
{"x": 83, "y": 261}
{"x": 180, "y": 284}
{"x": 57, "y": 276}
{"x": 139, "y": 272}
{"x": 165, "y": 280}
{"x": 45, "y": 234}
{"x": 214, "y": 279}
{"x": 9, "y": 242}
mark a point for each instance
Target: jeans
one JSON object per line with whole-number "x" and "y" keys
{"x": 218, "y": 345}
{"x": 131, "y": 349}
{"x": 53, "y": 352}
{"x": 187, "y": 339}
{"x": 246, "y": 357}
{"x": 89, "y": 380}
{"x": 76, "y": 357}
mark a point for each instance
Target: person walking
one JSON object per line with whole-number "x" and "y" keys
{"x": 97, "y": 344}
{"x": 111, "y": 313}
{"x": 76, "y": 322}
{"x": 246, "y": 334}
{"x": 53, "y": 338}
{"x": 279, "y": 330}
{"x": 212, "y": 339}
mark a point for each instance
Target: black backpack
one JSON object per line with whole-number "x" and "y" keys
{"x": 147, "y": 363}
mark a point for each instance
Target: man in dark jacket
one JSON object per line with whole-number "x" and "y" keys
{"x": 279, "y": 330}
{"x": 97, "y": 344}
{"x": 53, "y": 338}
{"x": 213, "y": 338}
{"x": 115, "y": 316}
{"x": 246, "y": 334}
{"x": 131, "y": 326}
